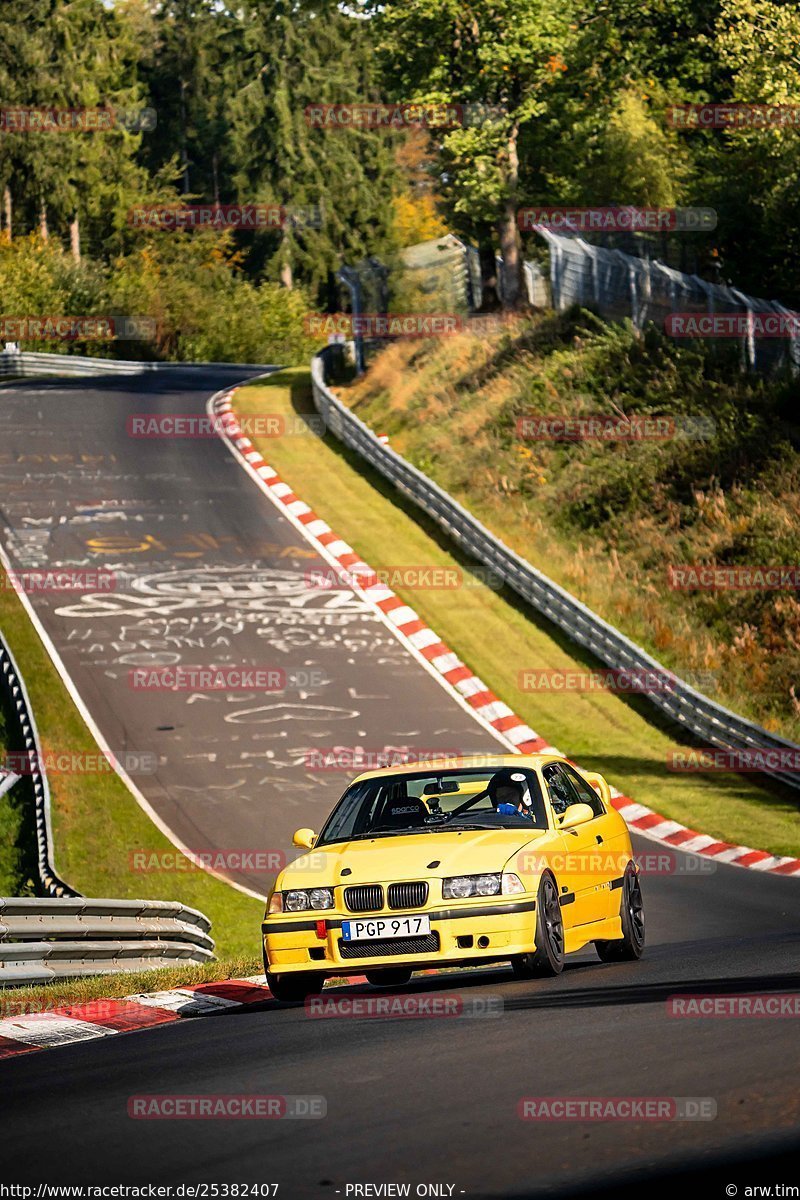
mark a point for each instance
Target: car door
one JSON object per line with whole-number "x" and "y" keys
{"x": 587, "y": 869}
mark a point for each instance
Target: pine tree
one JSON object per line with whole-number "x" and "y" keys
{"x": 298, "y": 55}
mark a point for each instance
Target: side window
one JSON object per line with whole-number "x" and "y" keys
{"x": 559, "y": 788}
{"x": 585, "y": 791}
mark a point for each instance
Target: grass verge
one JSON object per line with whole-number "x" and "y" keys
{"x": 709, "y": 475}
{"x": 47, "y": 996}
{"x": 498, "y": 636}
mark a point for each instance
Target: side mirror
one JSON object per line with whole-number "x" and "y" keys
{"x": 304, "y": 838}
{"x": 576, "y": 814}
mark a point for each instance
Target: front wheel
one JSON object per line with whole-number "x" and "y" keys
{"x": 548, "y": 957}
{"x": 290, "y": 989}
{"x": 389, "y": 977}
{"x": 631, "y": 945}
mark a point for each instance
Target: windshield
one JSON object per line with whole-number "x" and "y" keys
{"x": 435, "y": 802}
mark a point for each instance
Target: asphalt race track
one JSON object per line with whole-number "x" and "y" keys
{"x": 207, "y": 572}
{"x": 429, "y": 1101}
{"x": 435, "y": 1100}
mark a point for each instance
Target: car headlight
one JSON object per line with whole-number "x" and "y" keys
{"x": 299, "y": 901}
{"x": 459, "y": 887}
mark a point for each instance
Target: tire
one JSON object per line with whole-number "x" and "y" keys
{"x": 548, "y": 956}
{"x": 291, "y": 989}
{"x": 389, "y": 977}
{"x": 630, "y": 946}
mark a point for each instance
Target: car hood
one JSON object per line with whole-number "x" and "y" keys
{"x": 412, "y": 857}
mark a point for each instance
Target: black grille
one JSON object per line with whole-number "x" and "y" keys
{"x": 367, "y": 897}
{"x": 427, "y": 944}
{"x": 407, "y": 895}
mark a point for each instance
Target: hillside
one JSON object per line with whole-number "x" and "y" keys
{"x": 611, "y": 520}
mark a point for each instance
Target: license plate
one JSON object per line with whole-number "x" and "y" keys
{"x": 371, "y": 929}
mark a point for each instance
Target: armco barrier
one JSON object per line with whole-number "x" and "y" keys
{"x": 44, "y": 939}
{"x": 25, "y": 363}
{"x": 708, "y": 721}
{"x": 65, "y": 934}
{"x": 27, "y": 736}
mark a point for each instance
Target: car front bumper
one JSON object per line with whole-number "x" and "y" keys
{"x": 503, "y": 927}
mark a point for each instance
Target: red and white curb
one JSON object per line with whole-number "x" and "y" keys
{"x": 70, "y": 1023}
{"x": 470, "y": 691}
{"x": 19, "y": 1034}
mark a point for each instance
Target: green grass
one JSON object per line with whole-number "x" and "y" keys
{"x": 497, "y": 636}
{"x": 96, "y": 820}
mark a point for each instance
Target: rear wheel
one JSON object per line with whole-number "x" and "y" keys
{"x": 389, "y": 977}
{"x": 631, "y": 945}
{"x": 548, "y": 957}
{"x": 293, "y": 988}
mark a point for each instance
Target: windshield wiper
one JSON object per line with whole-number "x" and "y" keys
{"x": 446, "y": 826}
{"x": 379, "y": 833}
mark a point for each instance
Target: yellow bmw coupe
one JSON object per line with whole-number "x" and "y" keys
{"x": 483, "y": 859}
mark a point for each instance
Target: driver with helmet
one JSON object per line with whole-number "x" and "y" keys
{"x": 509, "y": 793}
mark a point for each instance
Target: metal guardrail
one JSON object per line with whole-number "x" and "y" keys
{"x": 707, "y": 720}
{"x": 63, "y": 934}
{"x": 25, "y": 363}
{"x": 27, "y": 736}
{"x": 44, "y": 939}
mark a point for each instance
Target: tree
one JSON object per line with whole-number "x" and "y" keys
{"x": 417, "y": 215}
{"x": 497, "y": 60}
{"x": 74, "y": 56}
{"x": 300, "y": 54}
{"x": 191, "y": 66}
{"x": 752, "y": 172}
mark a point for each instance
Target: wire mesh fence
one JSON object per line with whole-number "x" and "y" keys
{"x": 619, "y": 286}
